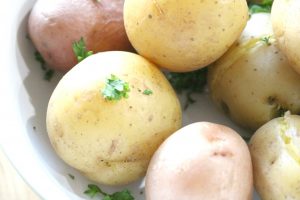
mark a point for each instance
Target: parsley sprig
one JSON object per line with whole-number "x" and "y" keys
{"x": 190, "y": 82}
{"x": 268, "y": 40}
{"x": 80, "y": 50}
{"x": 48, "y": 73}
{"x": 115, "y": 89}
{"x": 265, "y": 6}
{"x": 147, "y": 92}
{"x": 94, "y": 190}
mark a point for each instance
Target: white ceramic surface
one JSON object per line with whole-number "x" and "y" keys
{"x": 24, "y": 98}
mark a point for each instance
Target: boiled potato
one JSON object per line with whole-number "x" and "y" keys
{"x": 201, "y": 161}
{"x": 54, "y": 25}
{"x": 184, "y": 35}
{"x": 253, "y": 82}
{"x": 275, "y": 151}
{"x": 111, "y": 141}
{"x": 285, "y": 20}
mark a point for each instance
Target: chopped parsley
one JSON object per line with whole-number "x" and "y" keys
{"x": 115, "y": 89}
{"x": 190, "y": 82}
{"x": 71, "y": 176}
{"x": 80, "y": 51}
{"x": 147, "y": 92}
{"x": 265, "y": 6}
{"x": 38, "y": 57}
{"x": 267, "y": 40}
{"x": 48, "y": 73}
{"x": 94, "y": 190}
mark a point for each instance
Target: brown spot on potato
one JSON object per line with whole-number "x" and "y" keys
{"x": 223, "y": 153}
{"x": 271, "y": 100}
{"x": 112, "y": 147}
{"x": 150, "y": 118}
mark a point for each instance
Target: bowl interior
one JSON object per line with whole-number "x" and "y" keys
{"x": 32, "y": 95}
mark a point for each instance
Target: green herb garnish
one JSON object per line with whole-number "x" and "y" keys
{"x": 265, "y": 6}
{"x": 80, "y": 51}
{"x": 93, "y": 190}
{"x": 115, "y": 88}
{"x": 48, "y": 73}
{"x": 147, "y": 92}
{"x": 71, "y": 176}
{"x": 267, "y": 40}
{"x": 38, "y": 57}
{"x": 189, "y": 82}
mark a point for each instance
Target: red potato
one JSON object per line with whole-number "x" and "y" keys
{"x": 201, "y": 161}
{"x": 55, "y": 25}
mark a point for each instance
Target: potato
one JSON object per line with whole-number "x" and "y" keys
{"x": 276, "y": 158}
{"x": 285, "y": 17}
{"x": 184, "y": 35}
{"x": 201, "y": 161}
{"x": 253, "y": 82}
{"x": 55, "y": 25}
{"x": 111, "y": 142}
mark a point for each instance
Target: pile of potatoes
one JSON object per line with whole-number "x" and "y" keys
{"x": 253, "y": 65}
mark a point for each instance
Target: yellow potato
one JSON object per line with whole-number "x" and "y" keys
{"x": 285, "y": 21}
{"x": 253, "y": 82}
{"x": 202, "y": 161}
{"x": 184, "y": 35}
{"x": 275, "y": 152}
{"x": 111, "y": 142}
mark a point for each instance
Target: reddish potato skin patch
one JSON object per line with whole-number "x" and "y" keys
{"x": 55, "y": 25}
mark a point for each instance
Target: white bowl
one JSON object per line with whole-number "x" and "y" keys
{"x": 24, "y": 98}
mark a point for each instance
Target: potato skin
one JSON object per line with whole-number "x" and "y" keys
{"x": 285, "y": 18}
{"x": 184, "y": 35}
{"x": 201, "y": 161}
{"x": 253, "y": 82}
{"x": 275, "y": 160}
{"x": 111, "y": 142}
{"x": 55, "y": 25}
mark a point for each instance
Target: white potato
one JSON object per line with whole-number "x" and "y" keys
{"x": 253, "y": 82}
{"x": 111, "y": 142}
{"x": 275, "y": 151}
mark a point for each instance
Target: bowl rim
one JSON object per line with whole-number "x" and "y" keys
{"x": 13, "y": 141}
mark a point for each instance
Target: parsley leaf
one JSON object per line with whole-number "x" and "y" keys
{"x": 268, "y": 40}
{"x": 38, "y": 57}
{"x": 147, "y": 92}
{"x": 115, "y": 88}
{"x": 93, "y": 190}
{"x": 264, "y": 6}
{"x": 123, "y": 195}
{"x": 48, "y": 73}
{"x": 80, "y": 51}
{"x": 71, "y": 176}
{"x": 190, "y": 82}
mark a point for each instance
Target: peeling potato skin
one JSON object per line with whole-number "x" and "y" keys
{"x": 285, "y": 17}
{"x": 258, "y": 84}
{"x": 184, "y": 35}
{"x": 111, "y": 142}
{"x": 201, "y": 161}
{"x": 54, "y": 25}
{"x": 276, "y": 173}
